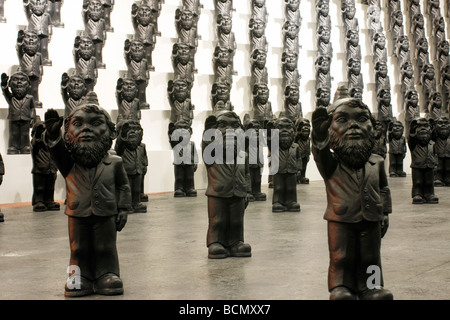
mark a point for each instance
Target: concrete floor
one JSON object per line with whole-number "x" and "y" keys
{"x": 163, "y": 255}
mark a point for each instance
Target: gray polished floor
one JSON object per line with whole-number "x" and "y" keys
{"x": 163, "y": 255}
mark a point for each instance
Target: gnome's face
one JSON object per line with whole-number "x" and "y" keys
{"x": 351, "y": 134}
{"x": 88, "y": 137}
{"x": 95, "y": 10}
{"x": 286, "y": 132}
{"x": 76, "y": 87}
{"x": 262, "y": 94}
{"x": 31, "y": 43}
{"x": 423, "y": 131}
{"x": 293, "y": 5}
{"x": 222, "y": 93}
{"x": 382, "y": 69}
{"x": 19, "y": 84}
{"x": 397, "y": 130}
{"x": 223, "y": 57}
{"x": 38, "y": 7}
{"x": 131, "y": 134}
{"x": 180, "y": 91}
{"x": 86, "y": 48}
{"x": 129, "y": 90}
{"x": 258, "y": 28}
{"x": 144, "y": 15}
{"x": 293, "y": 95}
{"x": 260, "y": 61}
{"x": 443, "y": 127}
{"x": 183, "y": 54}
{"x": 187, "y": 19}
{"x": 305, "y": 130}
{"x": 226, "y": 25}
{"x": 137, "y": 50}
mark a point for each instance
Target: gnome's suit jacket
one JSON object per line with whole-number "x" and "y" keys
{"x": 108, "y": 192}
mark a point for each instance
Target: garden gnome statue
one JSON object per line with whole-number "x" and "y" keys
{"x": 73, "y": 91}
{"x": 185, "y": 158}
{"x": 98, "y": 196}
{"x": 302, "y": 138}
{"x": 22, "y": 111}
{"x": 254, "y": 147}
{"x": 85, "y": 61}
{"x": 228, "y": 186}
{"x": 128, "y": 101}
{"x": 129, "y": 139}
{"x": 40, "y": 22}
{"x": 289, "y": 161}
{"x": 95, "y": 28}
{"x": 441, "y": 137}
{"x": 30, "y": 60}
{"x": 397, "y": 148}
{"x": 423, "y": 161}
{"x": 137, "y": 66}
{"x": 358, "y": 197}
{"x": 44, "y": 172}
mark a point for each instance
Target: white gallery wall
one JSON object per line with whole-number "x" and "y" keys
{"x": 17, "y": 182}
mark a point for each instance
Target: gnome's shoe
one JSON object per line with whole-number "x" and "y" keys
{"x": 260, "y": 196}
{"x": 432, "y": 199}
{"x": 109, "y": 284}
{"x": 418, "y": 200}
{"x": 144, "y": 105}
{"x": 140, "y": 208}
{"x": 84, "y": 288}
{"x": 25, "y": 150}
{"x": 2, "y": 217}
{"x": 293, "y": 207}
{"x": 376, "y": 294}
{"x": 342, "y": 293}
{"x": 393, "y": 174}
{"x": 278, "y": 207}
{"x": 144, "y": 197}
{"x": 179, "y": 193}
{"x": 13, "y": 150}
{"x": 191, "y": 193}
{"x": 53, "y": 206}
{"x": 217, "y": 251}
{"x": 250, "y": 197}
{"x": 39, "y": 207}
{"x": 241, "y": 250}
{"x": 304, "y": 180}
{"x": 438, "y": 183}
{"x": 401, "y": 174}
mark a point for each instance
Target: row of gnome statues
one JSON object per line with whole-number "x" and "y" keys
{"x": 22, "y": 116}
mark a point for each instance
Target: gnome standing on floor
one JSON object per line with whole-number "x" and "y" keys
{"x": 358, "y": 194}
{"x": 228, "y": 186}
{"x": 98, "y": 195}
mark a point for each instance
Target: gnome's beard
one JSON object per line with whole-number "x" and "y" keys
{"x": 423, "y": 137}
{"x": 285, "y": 142}
{"x": 89, "y": 154}
{"x": 352, "y": 153}
{"x": 19, "y": 92}
{"x": 443, "y": 133}
{"x": 132, "y": 143}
